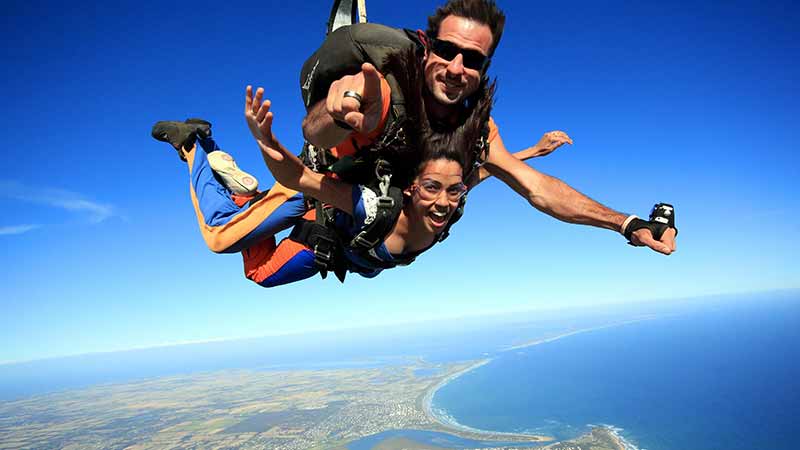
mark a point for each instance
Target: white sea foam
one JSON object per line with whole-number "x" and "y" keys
{"x": 617, "y": 432}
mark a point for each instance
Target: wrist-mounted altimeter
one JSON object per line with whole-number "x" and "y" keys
{"x": 662, "y": 217}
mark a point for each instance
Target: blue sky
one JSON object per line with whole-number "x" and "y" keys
{"x": 690, "y": 104}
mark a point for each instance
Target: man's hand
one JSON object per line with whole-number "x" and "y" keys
{"x": 362, "y": 116}
{"x": 644, "y": 238}
{"x": 259, "y": 120}
{"x": 658, "y": 232}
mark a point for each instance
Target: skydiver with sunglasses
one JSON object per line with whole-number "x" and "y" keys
{"x": 351, "y": 103}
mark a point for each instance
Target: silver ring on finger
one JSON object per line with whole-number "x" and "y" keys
{"x": 353, "y": 94}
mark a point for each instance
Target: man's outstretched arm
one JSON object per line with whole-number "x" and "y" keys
{"x": 354, "y": 103}
{"x": 557, "y": 199}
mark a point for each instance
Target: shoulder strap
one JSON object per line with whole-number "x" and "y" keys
{"x": 480, "y": 153}
{"x": 346, "y": 12}
{"x": 398, "y": 103}
{"x": 374, "y": 233}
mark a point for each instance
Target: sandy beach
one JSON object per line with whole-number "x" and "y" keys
{"x": 619, "y": 441}
{"x": 571, "y": 333}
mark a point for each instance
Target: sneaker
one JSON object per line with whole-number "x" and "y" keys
{"x": 235, "y": 179}
{"x": 179, "y": 134}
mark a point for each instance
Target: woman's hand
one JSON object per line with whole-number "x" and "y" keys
{"x": 259, "y": 120}
{"x": 547, "y": 144}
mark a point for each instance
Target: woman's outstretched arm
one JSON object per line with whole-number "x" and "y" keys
{"x": 287, "y": 169}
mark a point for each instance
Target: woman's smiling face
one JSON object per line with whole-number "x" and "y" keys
{"x": 435, "y": 194}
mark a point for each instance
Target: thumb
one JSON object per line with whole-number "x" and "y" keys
{"x": 355, "y": 119}
{"x": 646, "y": 238}
{"x": 657, "y": 246}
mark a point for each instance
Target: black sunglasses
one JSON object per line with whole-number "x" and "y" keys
{"x": 473, "y": 59}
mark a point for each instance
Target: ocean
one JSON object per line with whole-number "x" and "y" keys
{"x": 725, "y": 375}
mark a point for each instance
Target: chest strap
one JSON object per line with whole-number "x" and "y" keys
{"x": 389, "y": 205}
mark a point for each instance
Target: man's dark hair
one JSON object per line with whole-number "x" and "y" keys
{"x": 483, "y": 11}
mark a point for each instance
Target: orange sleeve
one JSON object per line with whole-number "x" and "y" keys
{"x": 493, "y": 131}
{"x": 349, "y": 145}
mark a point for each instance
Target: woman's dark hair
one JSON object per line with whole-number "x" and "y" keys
{"x": 424, "y": 142}
{"x": 482, "y": 11}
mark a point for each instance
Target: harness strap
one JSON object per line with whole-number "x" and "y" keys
{"x": 398, "y": 103}
{"x": 325, "y": 244}
{"x": 375, "y": 232}
{"x": 480, "y": 152}
{"x": 345, "y": 12}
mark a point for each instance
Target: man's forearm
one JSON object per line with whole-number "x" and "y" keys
{"x": 557, "y": 199}
{"x": 548, "y": 194}
{"x": 522, "y": 155}
{"x": 320, "y": 130}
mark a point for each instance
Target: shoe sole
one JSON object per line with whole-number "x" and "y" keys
{"x": 180, "y": 135}
{"x": 235, "y": 179}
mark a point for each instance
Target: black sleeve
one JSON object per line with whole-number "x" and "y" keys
{"x": 344, "y": 51}
{"x": 338, "y": 56}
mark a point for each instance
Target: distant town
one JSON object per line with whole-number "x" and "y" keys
{"x": 250, "y": 409}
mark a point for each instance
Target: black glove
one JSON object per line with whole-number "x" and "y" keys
{"x": 662, "y": 217}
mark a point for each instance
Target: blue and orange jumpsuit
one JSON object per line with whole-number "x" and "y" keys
{"x": 230, "y": 225}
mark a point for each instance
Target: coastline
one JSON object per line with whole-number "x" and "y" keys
{"x": 574, "y": 332}
{"x": 616, "y": 436}
{"x": 449, "y": 424}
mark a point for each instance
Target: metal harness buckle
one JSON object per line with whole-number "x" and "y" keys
{"x": 383, "y": 171}
{"x": 385, "y": 202}
{"x": 394, "y": 133}
{"x": 323, "y": 253}
{"x": 481, "y": 152}
{"x": 361, "y": 241}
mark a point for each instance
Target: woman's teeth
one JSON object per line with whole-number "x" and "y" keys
{"x": 438, "y": 217}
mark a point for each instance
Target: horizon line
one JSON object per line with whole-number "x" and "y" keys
{"x": 190, "y": 342}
